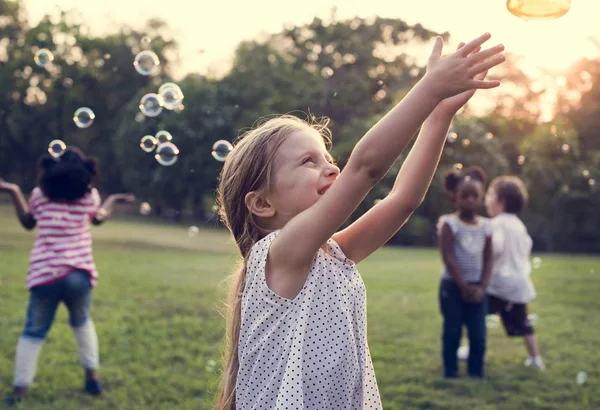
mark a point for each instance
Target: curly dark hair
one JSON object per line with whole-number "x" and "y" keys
{"x": 68, "y": 177}
{"x": 453, "y": 178}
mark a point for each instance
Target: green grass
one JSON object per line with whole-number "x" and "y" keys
{"x": 155, "y": 310}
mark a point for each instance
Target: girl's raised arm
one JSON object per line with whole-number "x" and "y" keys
{"x": 297, "y": 243}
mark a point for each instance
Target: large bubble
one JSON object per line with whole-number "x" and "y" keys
{"x": 221, "y": 149}
{"x": 146, "y": 62}
{"x": 56, "y": 148}
{"x": 43, "y": 57}
{"x": 166, "y": 154}
{"x": 83, "y": 117}
{"x": 151, "y": 105}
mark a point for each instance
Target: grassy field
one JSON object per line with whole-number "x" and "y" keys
{"x": 159, "y": 328}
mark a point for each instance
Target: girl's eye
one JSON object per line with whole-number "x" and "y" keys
{"x": 306, "y": 160}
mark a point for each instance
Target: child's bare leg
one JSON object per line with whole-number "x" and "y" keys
{"x": 531, "y": 345}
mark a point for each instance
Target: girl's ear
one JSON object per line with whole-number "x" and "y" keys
{"x": 258, "y": 205}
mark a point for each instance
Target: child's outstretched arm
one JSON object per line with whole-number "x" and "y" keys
{"x": 108, "y": 206}
{"x": 377, "y": 151}
{"x": 23, "y": 213}
{"x": 381, "y": 222}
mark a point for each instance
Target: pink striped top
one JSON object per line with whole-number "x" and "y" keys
{"x": 63, "y": 242}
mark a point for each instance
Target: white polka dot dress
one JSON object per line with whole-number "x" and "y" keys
{"x": 310, "y": 352}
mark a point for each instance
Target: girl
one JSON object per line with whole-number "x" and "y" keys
{"x": 510, "y": 287}
{"x": 297, "y": 319}
{"x": 465, "y": 244}
{"x": 61, "y": 266}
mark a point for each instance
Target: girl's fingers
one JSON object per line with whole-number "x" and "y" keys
{"x": 487, "y": 53}
{"x": 460, "y": 45}
{"x": 483, "y": 85}
{"x": 486, "y": 65}
{"x": 473, "y": 44}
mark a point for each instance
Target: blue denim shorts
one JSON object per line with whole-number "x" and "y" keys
{"x": 74, "y": 290}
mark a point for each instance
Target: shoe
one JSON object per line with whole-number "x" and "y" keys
{"x": 93, "y": 387}
{"x": 535, "y": 363}
{"x": 12, "y": 400}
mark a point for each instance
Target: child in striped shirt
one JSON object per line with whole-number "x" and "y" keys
{"x": 465, "y": 244}
{"x": 61, "y": 266}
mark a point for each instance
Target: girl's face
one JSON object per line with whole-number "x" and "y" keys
{"x": 469, "y": 196}
{"x": 492, "y": 205}
{"x": 303, "y": 172}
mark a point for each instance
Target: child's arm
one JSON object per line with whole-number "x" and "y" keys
{"x": 23, "y": 213}
{"x": 488, "y": 253}
{"x": 380, "y": 223}
{"x": 108, "y": 206}
{"x": 295, "y": 246}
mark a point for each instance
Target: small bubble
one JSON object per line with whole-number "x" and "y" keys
{"x": 536, "y": 263}
{"x": 221, "y": 149}
{"x": 489, "y": 136}
{"x": 379, "y": 95}
{"x": 553, "y": 130}
{"x": 83, "y": 117}
{"x": 326, "y": 72}
{"x": 148, "y": 143}
{"x": 466, "y": 142}
{"x": 457, "y": 167}
{"x": 193, "y": 231}
{"x": 565, "y": 189}
{"x": 565, "y": 148}
{"x": 68, "y": 82}
{"x": 380, "y": 83}
{"x": 146, "y": 40}
{"x": 146, "y": 62}
{"x": 145, "y": 208}
{"x": 139, "y": 117}
{"x": 585, "y": 173}
{"x": 56, "y": 148}
{"x": 452, "y": 137}
{"x": 581, "y": 378}
{"x": 43, "y": 57}
{"x": 151, "y": 105}
{"x": 166, "y": 154}
{"x": 521, "y": 160}
{"x": 592, "y": 182}
{"x": 163, "y": 136}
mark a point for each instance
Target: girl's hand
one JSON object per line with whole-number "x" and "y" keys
{"x": 123, "y": 197}
{"x": 7, "y": 186}
{"x": 460, "y": 71}
{"x": 450, "y": 106}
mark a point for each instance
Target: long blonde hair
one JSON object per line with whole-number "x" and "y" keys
{"x": 248, "y": 168}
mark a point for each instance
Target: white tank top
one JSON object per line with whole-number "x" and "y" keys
{"x": 310, "y": 352}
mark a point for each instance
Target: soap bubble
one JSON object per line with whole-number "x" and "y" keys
{"x": 466, "y": 142}
{"x": 166, "y": 154}
{"x": 68, "y": 82}
{"x": 43, "y": 57}
{"x": 145, "y": 208}
{"x": 452, "y": 137}
{"x": 592, "y": 182}
{"x": 462, "y": 353}
{"x": 56, "y": 148}
{"x": 148, "y": 143}
{"x": 171, "y": 96}
{"x": 536, "y": 263}
{"x": 521, "y": 160}
{"x": 163, "y": 136}
{"x": 489, "y": 136}
{"x": 221, "y": 149}
{"x": 151, "y": 105}
{"x": 457, "y": 167}
{"x": 146, "y": 40}
{"x": 146, "y": 62}
{"x": 581, "y": 378}
{"x": 193, "y": 231}
{"x": 83, "y": 117}
{"x": 565, "y": 148}
{"x": 585, "y": 173}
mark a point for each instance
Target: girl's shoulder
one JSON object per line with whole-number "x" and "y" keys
{"x": 450, "y": 219}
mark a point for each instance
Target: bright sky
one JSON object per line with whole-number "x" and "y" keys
{"x": 217, "y": 27}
